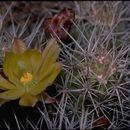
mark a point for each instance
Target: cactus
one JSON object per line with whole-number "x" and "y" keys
{"x": 92, "y": 90}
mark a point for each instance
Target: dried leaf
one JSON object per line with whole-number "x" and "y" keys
{"x": 37, "y": 46}
{"x": 101, "y": 122}
{"x": 18, "y": 46}
{"x": 44, "y": 96}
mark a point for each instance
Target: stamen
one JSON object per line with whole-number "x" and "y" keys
{"x": 27, "y": 77}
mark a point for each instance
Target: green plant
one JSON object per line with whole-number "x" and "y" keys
{"x": 92, "y": 91}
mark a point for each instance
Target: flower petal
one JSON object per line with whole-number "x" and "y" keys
{"x": 51, "y": 51}
{"x": 10, "y": 66}
{"x": 48, "y": 80}
{"x": 29, "y": 61}
{"x": 5, "y": 84}
{"x": 45, "y": 73}
{"x": 34, "y": 58}
{"x": 2, "y": 101}
{"x": 49, "y": 55}
{"x": 28, "y": 100}
{"x": 15, "y": 65}
{"x": 12, "y": 94}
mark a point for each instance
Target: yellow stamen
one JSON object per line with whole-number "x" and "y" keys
{"x": 27, "y": 77}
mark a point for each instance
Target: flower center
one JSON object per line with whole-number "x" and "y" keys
{"x": 27, "y": 77}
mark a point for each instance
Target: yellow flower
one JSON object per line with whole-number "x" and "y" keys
{"x": 29, "y": 72}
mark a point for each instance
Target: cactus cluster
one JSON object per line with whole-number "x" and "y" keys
{"x": 91, "y": 90}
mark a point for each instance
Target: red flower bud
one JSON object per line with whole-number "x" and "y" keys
{"x": 52, "y": 25}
